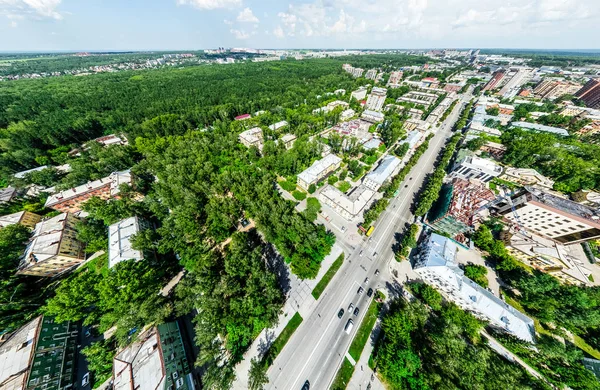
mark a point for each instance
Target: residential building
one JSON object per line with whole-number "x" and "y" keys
{"x": 551, "y": 88}
{"x": 477, "y": 128}
{"x": 590, "y": 93}
{"x": 106, "y": 140}
{"x": 538, "y": 127}
{"x": 376, "y": 99}
{"x": 24, "y": 218}
{"x": 119, "y": 241}
{"x": 359, "y": 94}
{"x": 565, "y": 262}
{"x": 415, "y": 113}
{"x": 278, "y": 125}
{"x": 252, "y": 137}
{"x": 318, "y": 170}
{"x": 374, "y": 143}
{"x": 72, "y": 200}
{"x": 357, "y": 72}
{"x": 371, "y": 74}
{"x": 382, "y": 173}
{"x": 242, "y": 117}
{"x": 395, "y": 79}
{"x": 437, "y": 264}
{"x": 431, "y": 82}
{"x": 497, "y": 77}
{"x": 348, "y": 206}
{"x": 548, "y": 215}
{"x": 413, "y": 139}
{"x": 157, "y": 360}
{"x": 513, "y": 86}
{"x": 53, "y": 247}
{"x": 455, "y": 210}
{"x": 372, "y": 116}
{"x": 527, "y": 177}
{"x": 7, "y": 194}
{"x": 39, "y": 355}
{"x": 473, "y": 167}
{"x": 288, "y": 140}
{"x": 347, "y": 114}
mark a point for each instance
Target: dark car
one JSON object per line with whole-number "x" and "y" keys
{"x": 370, "y": 292}
{"x": 306, "y": 386}
{"x": 360, "y": 290}
{"x": 356, "y": 311}
{"x": 340, "y": 313}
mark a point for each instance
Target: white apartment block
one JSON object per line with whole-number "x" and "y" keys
{"x": 119, "y": 241}
{"x": 318, "y": 170}
{"x": 395, "y": 78}
{"x": 548, "y": 215}
{"x": 252, "y": 137}
{"x": 359, "y": 94}
{"x": 371, "y": 74}
{"x": 376, "y": 99}
{"x": 372, "y": 116}
{"x": 473, "y": 167}
{"x": 382, "y": 173}
{"x": 348, "y": 206}
{"x": 437, "y": 264}
{"x": 347, "y": 114}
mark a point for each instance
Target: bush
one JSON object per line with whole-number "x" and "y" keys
{"x": 286, "y": 185}
{"x": 313, "y": 207}
{"x": 312, "y": 188}
{"x": 299, "y": 195}
{"x": 332, "y": 179}
{"x": 343, "y": 185}
{"x": 477, "y": 273}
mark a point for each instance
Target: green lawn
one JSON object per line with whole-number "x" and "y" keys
{"x": 343, "y": 376}
{"x": 343, "y": 185}
{"x": 283, "y": 338}
{"x": 320, "y": 287}
{"x": 363, "y": 333}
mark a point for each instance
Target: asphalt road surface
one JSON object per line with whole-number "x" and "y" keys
{"x": 317, "y": 348}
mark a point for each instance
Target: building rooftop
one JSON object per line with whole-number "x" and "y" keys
{"x": 114, "y": 180}
{"x": 378, "y": 91}
{"x": 11, "y": 219}
{"x": 384, "y": 170}
{"x": 311, "y": 173}
{"x": 529, "y": 176}
{"x": 7, "y": 194}
{"x": 119, "y": 241}
{"x": 16, "y": 354}
{"x": 483, "y": 163}
{"x": 278, "y": 125}
{"x": 538, "y": 127}
{"x": 564, "y": 205}
{"x": 140, "y": 365}
{"x": 352, "y": 203}
{"x": 20, "y": 175}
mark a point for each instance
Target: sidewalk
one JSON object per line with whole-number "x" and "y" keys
{"x": 299, "y": 300}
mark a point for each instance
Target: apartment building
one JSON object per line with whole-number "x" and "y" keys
{"x": 278, "y": 125}
{"x": 348, "y": 206}
{"x": 473, "y": 167}
{"x": 371, "y": 74}
{"x": 437, "y": 264}
{"x": 157, "y": 360}
{"x": 288, "y": 140}
{"x": 39, "y": 355}
{"x": 359, "y": 94}
{"x": 318, "y": 170}
{"x": 72, "y": 200}
{"x": 590, "y": 93}
{"x": 7, "y": 194}
{"x": 24, "y": 218}
{"x": 395, "y": 78}
{"x": 53, "y": 247}
{"x": 548, "y": 215}
{"x": 372, "y": 116}
{"x": 375, "y": 179}
{"x": 119, "y": 241}
{"x": 376, "y": 99}
{"x": 551, "y": 88}
{"x": 537, "y": 127}
{"x": 347, "y": 114}
{"x": 252, "y": 137}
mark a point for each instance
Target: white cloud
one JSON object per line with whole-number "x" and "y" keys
{"x": 13, "y": 24}
{"x": 34, "y": 9}
{"x": 239, "y": 34}
{"x": 278, "y": 32}
{"x": 246, "y": 16}
{"x": 211, "y": 4}
{"x": 228, "y": 22}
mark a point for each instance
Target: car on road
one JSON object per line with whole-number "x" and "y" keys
{"x": 406, "y": 186}
{"x": 360, "y": 290}
{"x": 86, "y": 380}
{"x": 370, "y": 292}
{"x": 88, "y": 333}
{"x": 341, "y": 313}
{"x": 410, "y": 178}
{"x": 350, "y": 306}
{"x": 376, "y": 272}
{"x": 374, "y": 254}
{"x": 356, "y": 311}
{"x": 349, "y": 326}
{"x": 366, "y": 280}
{"x": 343, "y": 228}
{"x": 306, "y": 386}
{"x": 361, "y": 253}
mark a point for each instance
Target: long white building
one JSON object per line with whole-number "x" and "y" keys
{"x": 376, "y": 99}
{"x": 383, "y": 172}
{"x": 473, "y": 167}
{"x": 318, "y": 170}
{"x": 437, "y": 264}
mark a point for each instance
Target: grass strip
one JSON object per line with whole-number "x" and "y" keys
{"x": 320, "y": 287}
{"x": 363, "y": 333}
{"x": 282, "y": 339}
{"x": 343, "y": 376}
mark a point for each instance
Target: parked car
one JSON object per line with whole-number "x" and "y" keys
{"x": 341, "y": 313}
{"x": 376, "y": 272}
{"x": 350, "y": 307}
{"x": 360, "y": 290}
{"x": 86, "y": 380}
{"x": 366, "y": 280}
{"x": 370, "y": 292}
{"x": 306, "y": 386}
{"x": 356, "y": 311}
{"x": 361, "y": 253}
{"x": 349, "y": 326}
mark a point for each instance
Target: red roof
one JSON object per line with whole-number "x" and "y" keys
{"x": 363, "y": 102}
{"x": 430, "y": 79}
{"x": 244, "y": 116}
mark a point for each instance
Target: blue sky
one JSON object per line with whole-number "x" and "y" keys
{"x": 27, "y": 25}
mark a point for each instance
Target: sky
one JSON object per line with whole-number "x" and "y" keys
{"x": 67, "y": 25}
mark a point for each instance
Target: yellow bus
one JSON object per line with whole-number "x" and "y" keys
{"x": 370, "y": 231}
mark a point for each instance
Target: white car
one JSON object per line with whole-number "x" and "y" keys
{"x": 86, "y": 380}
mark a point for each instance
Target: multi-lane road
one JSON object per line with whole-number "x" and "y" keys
{"x": 317, "y": 348}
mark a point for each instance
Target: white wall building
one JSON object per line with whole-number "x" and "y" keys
{"x": 437, "y": 264}
{"x": 371, "y": 74}
{"x": 473, "y": 167}
{"x": 383, "y": 172}
{"x": 252, "y": 137}
{"x": 372, "y": 116}
{"x": 318, "y": 170}
{"x": 376, "y": 99}
{"x": 359, "y": 94}
{"x": 348, "y": 206}
{"x": 119, "y": 241}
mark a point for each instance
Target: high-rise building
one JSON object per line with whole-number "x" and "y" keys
{"x": 590, "y": 93}
{"x": 24, "y": 218}
{"x": 551, "y": 216}
{"x": 376, "y": 99}
{"x": 371, "y": 74}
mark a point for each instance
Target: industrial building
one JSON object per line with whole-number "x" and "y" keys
{"x": 457, "y": 206}
{"x": 157, "y": 360}
{"x": 551, "y": 88}
{"x": 318, "y": 170}
{"x": 53, "y": 247}
{"x": 550, "y": 216}
{"x": 590, "y": 93}
{"x": 436, "y": 263}
{"x": 39, "y": 355}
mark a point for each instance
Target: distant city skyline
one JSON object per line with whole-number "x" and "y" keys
{"x": 95, "y": 25}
